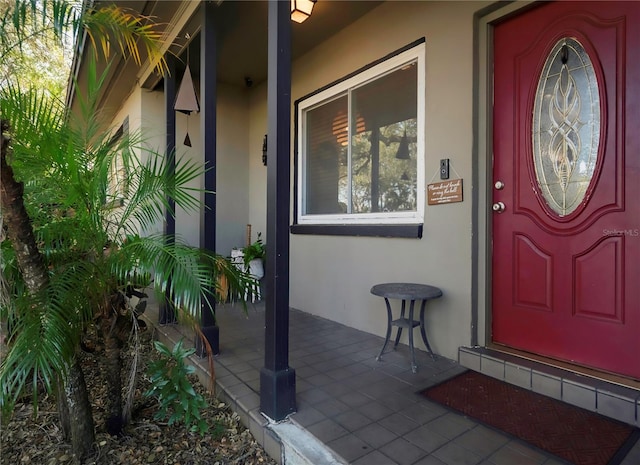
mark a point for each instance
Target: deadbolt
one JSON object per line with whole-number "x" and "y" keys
{"x": 499, "y": 185}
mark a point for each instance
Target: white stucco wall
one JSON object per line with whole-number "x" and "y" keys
{"x": 152, "y": 127}
{"x": 257, "y": 171}
{"x": 234, "y": 154}
{"x": 331, "y": 276}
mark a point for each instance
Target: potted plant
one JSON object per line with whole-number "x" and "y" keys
{"x": 253, "y": 256}
{"x": 250, "y": 260}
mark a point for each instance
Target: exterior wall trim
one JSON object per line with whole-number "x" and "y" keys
{"x": 413, "y": 231}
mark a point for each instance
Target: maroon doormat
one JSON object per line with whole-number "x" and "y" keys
{"x": 571, "y": 433}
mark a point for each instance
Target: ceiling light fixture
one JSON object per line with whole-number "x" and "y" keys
{"x": 301, "y": 10}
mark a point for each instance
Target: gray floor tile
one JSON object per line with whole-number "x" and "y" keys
{"x": 355, "y": 368}
{"x": 424, "y": 412}
{"x": 375, "y": 410}
{"x": 430, "y": 460}
{"x": 354, "y": 399}
{"x": 339, "y": 373}
{"x": 451, "y": 425}
{"x": 352, "y": 420}
{"x": 331, "y": 407}
{"x": 307, "y": 416}
{"x": 453, "y": 454}
{"x": 350, "y": 447}
{"x": 402, "y": 451}
{"x": 306, "y": 371}
{"x": 327, "y": 430}
{"x": 376, "y": 435}
{"x": 397, "y": 401}
{"x": 398, "y": 423}
{"x": 426, "y": 439}
{"x": 320, "y": 379}
{"x": 482, "y": 440}
{"x": 314, "y": 396}
{"x": 374, "y": 458}
{"x": 515, "y": 453}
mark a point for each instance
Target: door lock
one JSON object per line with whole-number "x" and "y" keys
{"x": 498, "y": 207}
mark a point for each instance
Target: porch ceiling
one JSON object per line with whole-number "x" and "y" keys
{"x": 242, "y": 35}
{"x": 242, "y": 41}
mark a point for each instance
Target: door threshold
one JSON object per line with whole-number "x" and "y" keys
{"x": 562, "y": 365}
{"x": 612, "y": 396}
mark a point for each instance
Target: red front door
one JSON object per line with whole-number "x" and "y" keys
{"x": 566, "y": 213}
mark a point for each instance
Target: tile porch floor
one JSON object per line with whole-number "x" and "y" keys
{"x": 367, "y": 412}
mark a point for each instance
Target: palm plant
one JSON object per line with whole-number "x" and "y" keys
{"x": 92, "y": 252}
{"x": 69, "y": 257}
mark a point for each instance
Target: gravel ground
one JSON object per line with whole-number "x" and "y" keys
{"x": 29, "y": 439}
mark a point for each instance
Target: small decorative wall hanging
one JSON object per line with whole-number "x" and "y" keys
{"x": 187, "y": 100}
{"x": 264, "y": 150}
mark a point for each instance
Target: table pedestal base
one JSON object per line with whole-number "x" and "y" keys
{"x": 408, "y": 323}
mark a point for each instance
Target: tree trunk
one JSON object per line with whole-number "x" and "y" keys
{"x": 113, "y": 375}
{"x": 18, "y": 223}
{"x": 63, "y": 410}
{"x": 79, "y": 408}
{"x": 34, "y": 272}
{"x": 116, "y": 329}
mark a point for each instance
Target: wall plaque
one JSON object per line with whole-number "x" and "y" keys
{"x": 444, "y": 192}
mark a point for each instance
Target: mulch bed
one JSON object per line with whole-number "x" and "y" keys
{"x": 571, "y": 433}
{"x": 36, "y": 439}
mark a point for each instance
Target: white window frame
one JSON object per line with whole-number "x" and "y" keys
{"x": 414, "y": 54}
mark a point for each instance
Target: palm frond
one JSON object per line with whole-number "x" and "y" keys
{"x": 188, "y": 274}
{"x": 104, "y": 26}
{"x": 36, "y": 120}
{"x": 44, "y": 337}
{"x": 152, "y": 183}
{"x": 129, "y": 29}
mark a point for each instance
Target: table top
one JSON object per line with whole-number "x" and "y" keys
{"x": 406, "y": 291}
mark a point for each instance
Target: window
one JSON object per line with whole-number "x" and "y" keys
{"x": 361, "y": 147}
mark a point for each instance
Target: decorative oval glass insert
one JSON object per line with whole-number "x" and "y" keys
{"x": 566, "y": 126}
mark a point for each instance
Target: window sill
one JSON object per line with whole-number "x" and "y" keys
{"x": 413, "y": 231}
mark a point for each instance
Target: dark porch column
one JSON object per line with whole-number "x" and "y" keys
{"x": 208, "y": 94}
{"x": 277, "y": 380}
{"x": 166, "y": 311}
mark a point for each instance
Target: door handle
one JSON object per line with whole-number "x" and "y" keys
{"x": 498, "y": 207}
